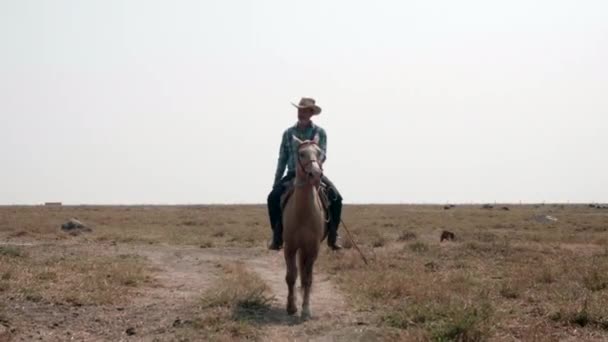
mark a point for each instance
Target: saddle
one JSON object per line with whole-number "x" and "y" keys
{"x": 289, "y": 190}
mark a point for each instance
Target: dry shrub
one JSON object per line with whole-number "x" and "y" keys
{"x": 546, "y": 275}
{"x": 218, "y": 324}
{"x": 502, "y": 248}
{"x": 218, "y": 234}
{"x": 406, "y": 236}
{"x": 586, "y": 314}
{"x": 509, "y": 290}
{"x": 419, "y": 247}
{"x": 334, "y": 263}
{"x": 378, "y": 241}
{"x": 387, "y": 286}
{"x": 206, "y": 244}
{"x": 11, "y": 251}
{"x": 234, "y": 304}
{"x": 595, "y": 280}
{"x": 240, "y": 290}
{"x": 486, "y": 237}
{"x": 444, "y": 317}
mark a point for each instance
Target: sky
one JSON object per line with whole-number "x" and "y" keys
{"x": 185, "y": 102}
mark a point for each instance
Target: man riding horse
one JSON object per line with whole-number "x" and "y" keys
{"x": 304, "y": 129}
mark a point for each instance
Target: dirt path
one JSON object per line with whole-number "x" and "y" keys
{"x": 156, "y": 313}
{"x": 329, "y": 308}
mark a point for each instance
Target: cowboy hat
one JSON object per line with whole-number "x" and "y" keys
{"x": 307, "y": 102}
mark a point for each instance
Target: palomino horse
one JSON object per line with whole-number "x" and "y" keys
{"x": 303, "y": 223}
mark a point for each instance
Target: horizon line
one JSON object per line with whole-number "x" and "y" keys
{"x": 50, "y": 204}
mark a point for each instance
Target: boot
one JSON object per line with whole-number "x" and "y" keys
{"x": 332, "y": 238}
{"x": 277, "y": 239}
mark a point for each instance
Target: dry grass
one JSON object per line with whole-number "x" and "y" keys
{"x": 510, "y": 275}
{"x": 205, "y": 226}
{"x": 10, "y": 251}
{"x": 234, "y": 305}
{"x": 69, "y": 278}
{"x": 238, "y": 289}
{"x": 506, "y": 275}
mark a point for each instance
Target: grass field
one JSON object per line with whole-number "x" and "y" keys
{"x": 165, "y": 273}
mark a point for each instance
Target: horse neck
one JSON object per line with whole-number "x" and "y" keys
{"x": 305, "y": 194}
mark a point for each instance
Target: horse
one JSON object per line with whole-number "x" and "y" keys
{"x": 303, "y": 223}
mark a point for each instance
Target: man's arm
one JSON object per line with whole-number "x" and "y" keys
{"x": 282, "y": 162}
{"x": 323, "y": 143}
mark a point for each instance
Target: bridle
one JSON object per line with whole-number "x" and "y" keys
{"x": 302, "y": 165}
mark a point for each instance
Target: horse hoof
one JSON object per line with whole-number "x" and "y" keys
{"x": 306, "y": 314}
{"x": 291, "y": 310}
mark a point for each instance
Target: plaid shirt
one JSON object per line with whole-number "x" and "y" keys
{"x": 287, "y": 152}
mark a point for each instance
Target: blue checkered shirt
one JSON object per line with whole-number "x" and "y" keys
{"x": 287, "y": 152}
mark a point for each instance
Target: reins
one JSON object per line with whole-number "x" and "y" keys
{"x": 297, "y": 184}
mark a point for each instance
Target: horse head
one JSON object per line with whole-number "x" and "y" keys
{"x": 309, "y": 158}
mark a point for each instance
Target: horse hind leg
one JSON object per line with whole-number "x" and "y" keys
{"x": 290, "y": 279}
{"x": 306, "y": 261}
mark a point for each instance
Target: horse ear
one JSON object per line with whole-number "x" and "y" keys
{"x": 297, "y": 140}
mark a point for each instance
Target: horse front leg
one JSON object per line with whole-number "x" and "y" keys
{"x": 290, "y": 279}
{"x": 306, "y": 269}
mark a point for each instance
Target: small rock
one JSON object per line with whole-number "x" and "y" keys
{"x": 75, "y": 225}
{"x": 130, "y": 331}
{"x": 447, "y": 207}
{"x": 545, "y": 219}
{"x": 487, "y": 206}
{"x": 72, "y": 223}
{"x": 505, "y": 208}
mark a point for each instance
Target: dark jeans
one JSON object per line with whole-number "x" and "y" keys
{"x": 275, "y": 214}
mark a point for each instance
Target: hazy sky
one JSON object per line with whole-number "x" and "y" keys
{"x": 186, "y": 101}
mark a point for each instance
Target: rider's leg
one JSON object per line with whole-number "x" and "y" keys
{"x": 335, "y": 212}
{"x": 275, "y": 214}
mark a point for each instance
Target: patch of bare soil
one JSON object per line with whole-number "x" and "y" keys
{"x": 153, "y": 314}
{"x": 181, "y": 274}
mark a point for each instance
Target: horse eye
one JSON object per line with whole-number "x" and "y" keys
{"x": 302, "y": 155}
